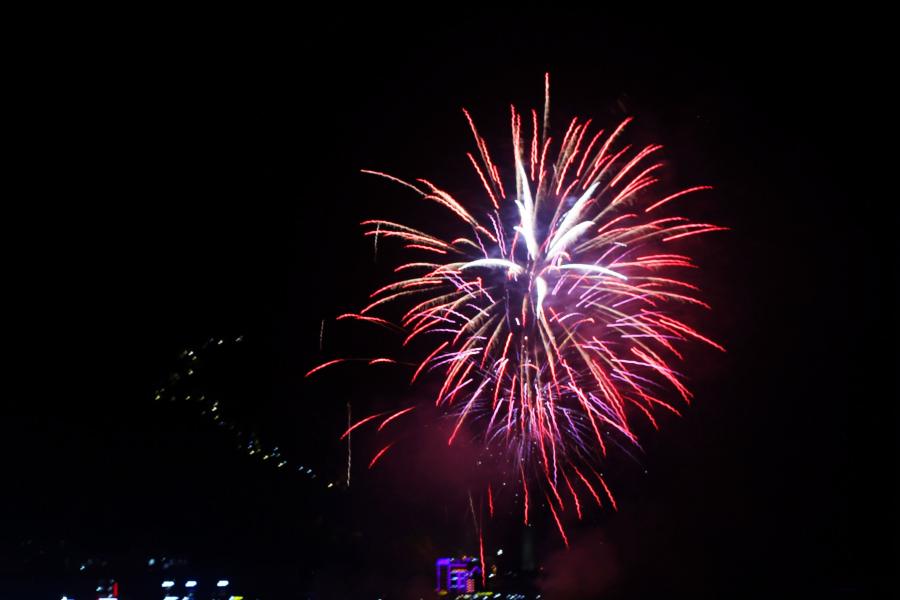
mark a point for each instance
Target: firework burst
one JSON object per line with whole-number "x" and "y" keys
{"x": 550, "y": 317}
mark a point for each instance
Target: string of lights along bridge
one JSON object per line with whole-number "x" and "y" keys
{"x": 187, "y": 385}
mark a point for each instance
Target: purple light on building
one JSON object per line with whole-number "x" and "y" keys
{"x": 455, "y": 575}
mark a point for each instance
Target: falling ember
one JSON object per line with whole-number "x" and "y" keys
{"x": 552, "y": 317}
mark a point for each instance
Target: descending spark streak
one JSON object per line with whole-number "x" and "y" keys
{"x": 556, "y": 518}
{"x": 590, "y": 487}
{"x": 525, "y": 487}
{"x": 611, "y": 499}
{"x": 673, "y": 196}
{"x": 574, "y": 495}
{"x": 564, "y": 305}
{"x": 377, "y": 456}
{"x": 695, "y": 232}
{"x": 481, "y": 551}
{"x": 367, "y": 419}
{"x": 349, "y": 451}
{"x": 322, "y": 366}
{"x": 478, "y": 531}
{"x": 689, "y": 331}
{"x": 386, "y": 176}
{"x": 375, "y": 254}
{"x": 484, "y": 181}
{"x": 425, "y": 362}
{"x": 534, "y": 144}
{"x": 394, "y": 416}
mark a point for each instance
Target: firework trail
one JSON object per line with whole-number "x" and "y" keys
{"x": 478, "y": 532}
{"x": 349, "y": 449}
{"x": 550, "y": 317}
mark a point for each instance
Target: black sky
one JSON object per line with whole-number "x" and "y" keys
{"x": 174, "y": 182}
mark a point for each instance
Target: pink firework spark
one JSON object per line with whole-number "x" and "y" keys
{"x": 554, "y": 307}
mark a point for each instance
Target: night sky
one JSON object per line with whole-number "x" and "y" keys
{"x": 176, "y": 183}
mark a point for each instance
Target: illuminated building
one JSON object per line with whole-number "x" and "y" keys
{"x": 455, "y": 575}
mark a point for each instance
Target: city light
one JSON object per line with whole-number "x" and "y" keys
{"x": 190, "y": 584}
{"x": 168, "y": 584}
{"x": 222, "y": 583}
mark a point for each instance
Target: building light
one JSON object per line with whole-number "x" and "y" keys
{"x": 190, "y": 583}
{"x": 168, "y": 584}
{"x": 222, "y": 583}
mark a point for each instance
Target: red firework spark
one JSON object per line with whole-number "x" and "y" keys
{"x": 553, "y": 311}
